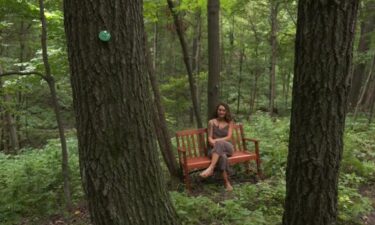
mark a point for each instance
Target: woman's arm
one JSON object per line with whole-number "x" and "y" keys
{"x": 211, "y": 140}
{"x": 229, "y": 136}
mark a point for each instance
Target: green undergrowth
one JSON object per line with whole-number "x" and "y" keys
{"x": 31, "y": 183}
{"x": 249, "y": 204}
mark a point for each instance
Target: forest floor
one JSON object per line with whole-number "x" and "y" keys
{"x": 369, "y": 191}
{"x": 81, "y": 216}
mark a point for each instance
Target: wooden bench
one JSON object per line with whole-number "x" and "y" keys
{"x": 192, "y": 150}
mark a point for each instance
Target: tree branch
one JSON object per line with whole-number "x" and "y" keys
{"x": 23, "y": 74}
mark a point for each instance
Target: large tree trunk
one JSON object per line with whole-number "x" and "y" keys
{"x": 323, "y": 61}
{"x": 119, "y": 164}
{"x": 187, "y": 61}
{"x": 213, "y": 9}
{"x": 274, "y": 27}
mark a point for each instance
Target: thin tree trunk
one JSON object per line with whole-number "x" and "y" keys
{"x": 11, "y": 125}
{"x": 283, "y": 76}
{"x": 228, "y": 66}
{"x": 213, "y": 9}
{"x": 370, "y": 94}
{"x": 192, "y": 83}
{"x": 371, "y": 114}
{"x": 155, "y": 46}
{"x": 196, "y": 58}
{"x": 22, "y": 54}
{"x": 364, "y": 88}
{"x": 253, "y": 96}
{"x": 287, "y": 90}
{"x": 197, "y": 42}
{"x": 12, "y": 128}
{"x": 274, "y": 27}
{"x": 364, "y": 44}
{"x": 160, "y": 123}
{"x": 240, "y": 80}
{"x": 51, "y": 83}
{"x": 323, "y": 62}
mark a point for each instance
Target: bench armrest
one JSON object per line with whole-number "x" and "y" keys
{"x": 181, "y": 150}
{"x": 256, "y": 143}
{"x": 252, "y": 140}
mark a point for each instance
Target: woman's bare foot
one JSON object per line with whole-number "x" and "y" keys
{"x": 207, "y": 172}
{"x": 228, "y": 187}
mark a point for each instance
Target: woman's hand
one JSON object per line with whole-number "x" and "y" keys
{"x": 212, "y": 142}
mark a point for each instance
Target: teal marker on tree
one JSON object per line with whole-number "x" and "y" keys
{"x": 104, "y": 35}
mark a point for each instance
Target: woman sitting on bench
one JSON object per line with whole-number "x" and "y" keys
{"x": 219, "y": 135}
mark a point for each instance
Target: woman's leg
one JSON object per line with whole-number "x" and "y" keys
{"x": 227, "y": 183}
{"x": 220, "y": 151}
{"x": 210, "y": 170}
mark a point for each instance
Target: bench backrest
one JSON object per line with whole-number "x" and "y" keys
{"x": 194, "y": 142}
{"x": 238, "y": 138}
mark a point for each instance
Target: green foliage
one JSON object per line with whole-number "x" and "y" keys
{"x": 203, "y": 210}
{"x": 176, "y": 98}
{"x": 31, "y": 183}
{"x": 274, "y": 136}
{"x": 352, "y": 205}
{"x": 359, "y": 150}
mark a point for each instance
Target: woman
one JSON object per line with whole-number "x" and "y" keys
{"x": 219, "y": 135}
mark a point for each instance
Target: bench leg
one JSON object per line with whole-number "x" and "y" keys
{"x": 247, "y": 167}
{"x": 187, "y": 181}
{"x": 259, "y": 171}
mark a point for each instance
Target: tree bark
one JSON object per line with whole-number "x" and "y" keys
{"x": 323, "y": 61}
{"x": 213, "y": 9}
{"x": 120, "y": 171}
{"x": 187, "y": 61}
{"x": 51, "y": 84}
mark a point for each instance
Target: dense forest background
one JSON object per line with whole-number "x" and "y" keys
{"x": 256, "y": 74}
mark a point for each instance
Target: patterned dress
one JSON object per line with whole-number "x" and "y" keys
{"x": 223, "y": 148}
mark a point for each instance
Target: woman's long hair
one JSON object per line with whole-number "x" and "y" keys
{"x": 228, "y": 116}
